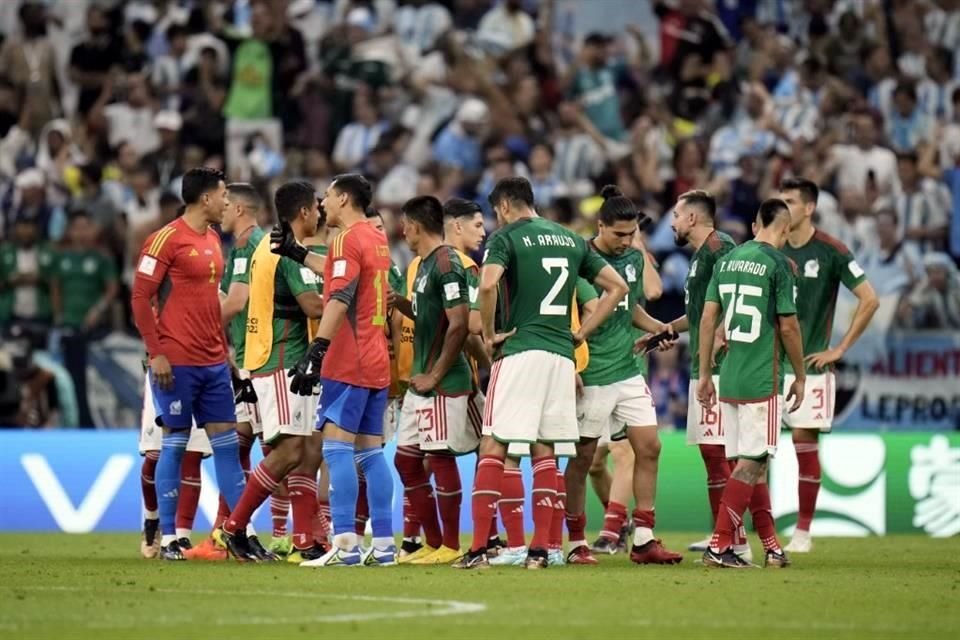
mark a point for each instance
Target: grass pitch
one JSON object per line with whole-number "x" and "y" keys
{"x": 95, "y": 586}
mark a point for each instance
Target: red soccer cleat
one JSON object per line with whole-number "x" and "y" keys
{"x": 581, "y": 555}
{"x": 206, "y": 550}
{"x": 654, "y": 553}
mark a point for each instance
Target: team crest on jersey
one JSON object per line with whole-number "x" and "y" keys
{"x": 176, "y": 408}
{"x": 631, "y": 272}
{"x": 194, "y": 253}
{"x": 89, "y": 265}
{"x": 693, "y": 269}
{"x": 811, "y": 269}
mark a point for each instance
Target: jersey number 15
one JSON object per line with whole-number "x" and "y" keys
{"x": 736, "y": 301}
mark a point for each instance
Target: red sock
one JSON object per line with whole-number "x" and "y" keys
{"x": 223, "y": 512}
{"x": 718, "y": 470}
{"x": 246, "y": 445}
{"x": 261, "y": 485}
{"x": 417, "y": 487}
{"x": 279, "y": 512}
{"x": 736, "y": 497}
{"x": 576, "y": 529}
{"x": 808, "y": 461}
{"x": 559, "y": 509}
{"x": 544, "y": 495}
{"x": 511, "y": 507}
{"x": 302, "y": 488}
{"x": 411, "y": 524}
{"x": 644, "y": 518}
{"x": 363, "y": 507}
{"x": 449, "y": 497}
{"x": 614, "y": 517}
{"x": 321, "y": 521}
{"x": 763, "y": 517}
{"x": 189, "y": 490}
{"x": 148, "y": 471}
{"x": 483, "y": 501}
{"x": 494, "y": 528}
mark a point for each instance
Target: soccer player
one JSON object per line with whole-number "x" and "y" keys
{"x": 824, "y": 263}
{"x": 615, "y": 391}
{"x": 753, "y": 290}
{"x": 356, "y": 375}
{"x": 180, "y": 268}
{"x": 283, "y": 299}
{"x": 532, "y": 392}
{"x": 434, "y": 414}
{"x": 694, "y": 218}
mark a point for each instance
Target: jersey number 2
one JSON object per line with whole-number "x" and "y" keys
{"x": 736, "y": 303}
{"x": 548, "y": 306}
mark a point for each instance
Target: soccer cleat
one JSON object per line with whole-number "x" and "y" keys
{"x": 185, "y": 544}
{"x": 775, "y": 559}
{"x": 538, "y": 559}
{"x": 626, "y": 532}
{"x": 282, "y": 546}
{"x": 150, "y": 540}
{"x": 725, "y": 560}
{"x": 307, "y": 555}
{"x": 744, "y": 551}
{"x": 580, "y": 554}
{"x": 380, "y": 557}
{"x": 800, "y": 543}
{"x": 236, "y": 544}
{"x": 653, "y": 552}
{"x": 472, "y": 560}
{"x": 605, "y": 545}
{"x": 555, "y": 558}
{"x": 443, "y": 555}
{"x": 419, "y": 554}
{"x": 172, "y": 552}
{"x": 408, "y": 547}
{"x": 336, "y": 557}
{"x": 263, "y": 555}
{"x": 206, "y": 550}
{"x": 509, "y": 557}
{"x": 700, "y": 545}
{"x": 494, "y": 547}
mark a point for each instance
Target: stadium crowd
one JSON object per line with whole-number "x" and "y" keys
{"x": 105, "y": 103}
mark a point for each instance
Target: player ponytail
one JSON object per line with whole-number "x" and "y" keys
{"x": 618, "y": 208}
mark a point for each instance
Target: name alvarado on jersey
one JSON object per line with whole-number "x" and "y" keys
{"x": 744, "y": 266}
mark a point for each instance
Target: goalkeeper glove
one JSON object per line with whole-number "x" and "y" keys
{"x": 283, "y": 242}
{"x": 305, "y": 375}
{"x": 243, "y": 391}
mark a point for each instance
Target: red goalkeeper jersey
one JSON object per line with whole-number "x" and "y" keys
{"x": 356, "y": 273}
{"x": 179, "y": 270}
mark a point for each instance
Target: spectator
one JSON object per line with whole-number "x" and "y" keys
{"x": 358, "y": 138}
{"x": 251, "y": 87}
{"x": 936, "y": 90}
{"x": 57, "y": 157}
{"x": 864, "y": 166}
{"x": 26, "y": 285}
{"x": 892, "y": 265}
{"x": 136, "y": 34}
{"x": 593, "y": 84}
{"x": 169, "y": 71}
{"x": 92, "y": 59}
{"x": 418, "y": 23}
{"x": 908, "y": 126}
{"x": 853, "y": 225}
{"x": 460, "y": 143}
{"x": 166, "y": 161}
{"x": 936, "y": 303}
{"x": 545, "y": 185}
{"x": 923, "y": 207}
{"x": 506, "y": 27}
{"x": 29, "y": 63}
{"x": 131, "y": 120}
{"x": 578, "y": 147}
{"x": 29, "y": 202}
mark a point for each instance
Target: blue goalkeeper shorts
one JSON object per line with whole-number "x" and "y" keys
{"x": 204, "y": 393}
{"x": 358, "y": 410}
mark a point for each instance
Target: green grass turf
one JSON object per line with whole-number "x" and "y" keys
{"x": 95, "y": 586}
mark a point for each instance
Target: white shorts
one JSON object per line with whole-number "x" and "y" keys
{"x": 391, "y": 415}
{"x": 283, "y": 412}
{"x": 532, "y": 397}
{"x": 151, "y": 435}
{"x": 560, "y": 450}
{"x": 604, "y": 409}
{"x": 704, "y": 426}
{"x": 751, "y": 430}
{"x": 439, "y": 423}
{"x": 247, "y": 411}
{"x": 819, "y": 395}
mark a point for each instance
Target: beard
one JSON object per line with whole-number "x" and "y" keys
{"x": 680, "y": 241}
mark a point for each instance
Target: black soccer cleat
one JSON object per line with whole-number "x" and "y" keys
{"x": 410, "y": 546}
{"x": 776, "y": 559}
{"x": 726, "y": 559}
{"x": 472, "y": 560}
{"x": 184, "y": 544}
{"x": 262, "y": 554}
{"x": 236, "y": 544}
{"x": 494, "y": 547}
{"x": 172, "y": 552}
{"x": 537, "y": 559}
{"x": 605, "y": 545}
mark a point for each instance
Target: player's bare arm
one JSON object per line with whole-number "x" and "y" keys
{"x": 652, "y": 284}
{"x": 867, "y": 305}
{"x": 793, "y": 344}
{"x": 312, "y": 304}
{"x": 473, "y": 347}
{"x": 645, "y": 322}
{"x": 401, "y": 304}
{"x": 706, "y": 392}
{"x": 234, "y": 302}
{"x": 614, "y": 289}
{"x": 453, "y": 340}
{"x": 490, "y": 276}
{"x": 476, "y": 322}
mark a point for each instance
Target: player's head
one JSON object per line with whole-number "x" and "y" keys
{"x": 245, "y": 204}
{"x": 772, "y": 223}
{"x": 463, "y": 224}
{"x": 694, "y": 208}
{"x": 26, "y": 232}
{"x": 375, "y": 219}
{"x": 617, "y": 221}
{"x": 82, "y": 230}
{"x": 205, "y": 188}
{"x": 348, "y": 192}
{"x": 296, "y": 204}
{"x": 511, "y": 198}
{"x": 801, "y": 196}
{"x": 422, "y": 220}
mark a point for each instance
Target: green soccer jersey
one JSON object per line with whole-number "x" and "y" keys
{"x": 541, "y": 262}
{"x": 289, "y": 321}
{"x": 237, "y": 269}
{"x": 30, "y": 303}
{"x": 754, "y": 285}
{"x": 84, "y": 278}
{"x": 717, "y": 245}
{"x": 440, "y": 284}
{"x": 396, "y": 280}
{"x": 823, "y": 263}
{"x": 611, "y": 345}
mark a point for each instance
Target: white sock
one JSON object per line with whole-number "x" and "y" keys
{"x": 250, "y": 530}
{"x": 183, "y": 533}
{"x": 151, "y": 515}
{"x": 166, "y": 540}
{"x": 382, "y": 543}
{"x": 345, "y": 541}
{"x": 642, "y": 535}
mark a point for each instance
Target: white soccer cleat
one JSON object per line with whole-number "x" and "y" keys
{"x": 744, "y": 551}
{"x": 801, "y": 542}
{"x": 510, "y": 557}
{"x": 336, "y": 557}
{"x": 700, "y": 546}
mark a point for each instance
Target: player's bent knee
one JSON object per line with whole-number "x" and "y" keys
{"x": 805, "y": 435}
{"x": 622, "y": 453}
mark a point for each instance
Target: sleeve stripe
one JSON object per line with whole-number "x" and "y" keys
{"x": 159, "y": 240}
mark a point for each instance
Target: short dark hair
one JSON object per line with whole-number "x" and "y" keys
{"x": 168, "y": 199}
{"x": 246, "y": 192}
{"x": 460, "y": 208}
{"x": 770, "y": 210}
{"x": 808, "y": 189}
{"x": 427, "y": 211}
{"x": 355, "y": 186}
{"x": 906, "y": 88}
{"x": 293, "y": 196}
{"x": 372, "y": 212}
{"x": 515, "y": 190}
{"x": 199, "y": 181}
{"x": 616, "y": 207}
{"x": 704, "y": 200}
{"x": 77, "y": 213}
{"x": 944, "y": 56}
{"x": 908, "y": 156}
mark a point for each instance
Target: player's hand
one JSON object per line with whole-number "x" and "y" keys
{"x": 719, "y": 345}
{"x": 579, "y": 385}
{"x": 498, "y": 338}
{"x": 391, "y": 299}
{"x": 284, "y": 243}
{"x": 706, "y": 392}
{"x": 671, "y": 340}
{"x": 302, "y": 381}
{"x": 796, "y": 392}
{"x": 577, "y": 337}
{"x": 162, "y": 372}
{"x": 423, "y": 383}
{"x": 824, "y": 359}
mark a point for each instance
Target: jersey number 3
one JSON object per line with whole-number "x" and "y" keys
{"x": 737, "y": 303}
{"x": 548, "y": 306}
